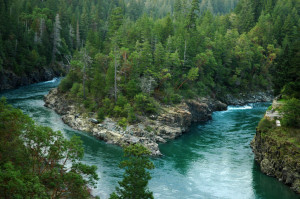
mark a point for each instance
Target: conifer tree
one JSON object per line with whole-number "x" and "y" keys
{"x": 136, "y": 176}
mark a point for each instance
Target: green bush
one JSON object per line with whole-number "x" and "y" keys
{"x": 291, "y": 111}
{"x": 75, "y": 88}
{"x": 269, "y": 108}
{"x": 118, "y": 111}
{"x": 130, "y": 113}
{"x": 122, "y": 101}
{"x": 107, "y": 106}
{"x": 123, "y": 122}
{"x": 87, "y": 104}
{"x": 65, "y": 84}
{"x": 265, "y": 125}
{"x": 176, "y": 98}
{"x": 80, "y": 91}
{"x": 101, "y": 114}
{"x": 145, "y": 104}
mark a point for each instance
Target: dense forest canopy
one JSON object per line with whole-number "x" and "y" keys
{"x": 128, "y": 53}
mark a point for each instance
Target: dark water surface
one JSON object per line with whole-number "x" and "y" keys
{"x": 213, "y": 160}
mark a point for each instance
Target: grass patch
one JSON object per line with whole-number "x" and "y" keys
{"x": 265, "y": 125}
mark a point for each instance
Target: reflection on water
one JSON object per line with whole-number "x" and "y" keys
{"x": 213, "y": 160}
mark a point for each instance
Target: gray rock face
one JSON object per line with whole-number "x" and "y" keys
{"x": 170, "y": 123}
{"x": 251, "y": 97}
{"x": 277, "y": 159}
{"x": 9, "y": 80}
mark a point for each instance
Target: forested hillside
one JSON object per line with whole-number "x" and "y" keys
{"x": 36, "y": 33}
{"x": 137, "y": 53}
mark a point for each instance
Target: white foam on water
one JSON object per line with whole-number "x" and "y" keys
{"x": 240, "y": 107}
{"x": 50, "y": 81}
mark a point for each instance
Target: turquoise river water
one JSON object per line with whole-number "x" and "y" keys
{"x": 213, "y": 160}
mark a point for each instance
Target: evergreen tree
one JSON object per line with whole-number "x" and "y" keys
{"x": 56, "y": 38}
{"x": 136, "y": 177}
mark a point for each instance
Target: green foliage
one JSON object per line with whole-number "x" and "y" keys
{"x": 291, "y": 113}
{"x": 291, "y": 90}
{"x": 265, "y": 125}
{"x": 107, "y": 106}
{"x": 121, "y": 101}
{"x": 101, "y": 114}
{"x": 65, "y": 84}
{"x": 122, "y": 122}
{"x": 136, "y": 176}
{"x": 35, "y": 160}
{"x": 75, "y": 89}
{"x": 144, "y": 103}
{"x": 130, "y": 113}
{"x": 118, "y": 111}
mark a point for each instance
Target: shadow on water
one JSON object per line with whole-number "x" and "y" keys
{"x": 269, "y": 187}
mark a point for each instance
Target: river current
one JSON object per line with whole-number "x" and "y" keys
{"x": 213, "y": 160}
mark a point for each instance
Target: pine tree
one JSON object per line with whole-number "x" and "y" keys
{"x": 192, "y": 16}
{"x": 246, "y": 16}
{"x": 136, "y": 177}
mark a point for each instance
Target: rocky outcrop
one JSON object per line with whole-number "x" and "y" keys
{"x": 172, "y": 121}
{"x": 9, "y": 80}
{"x": 277, "y": 153}
{"x": 277, "y": 159}
{"x": 250, "y": 97}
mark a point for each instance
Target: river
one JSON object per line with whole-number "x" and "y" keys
{"x": 213, "y": 160}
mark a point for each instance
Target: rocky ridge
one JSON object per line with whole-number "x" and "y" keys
{"x": 276, "y": 154}
{"x": 172, "y": 122}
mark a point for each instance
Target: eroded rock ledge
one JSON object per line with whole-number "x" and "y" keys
{"x": 276, "y": 154}
{"x": 172, "y": 122}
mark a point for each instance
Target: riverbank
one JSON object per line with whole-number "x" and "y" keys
{"x": 277, "y": 148}
{"x": 171, "y": 122}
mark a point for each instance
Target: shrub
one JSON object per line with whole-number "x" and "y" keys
{"x": 291, "y": 111}
{"x": 101, "y": 114}
{"x": 118, "y": 111}
{"x": 175, "y": 98}
{"x": 269, "y": 108}
{"x": 80, "y": 91}
{"x": 65, "y": 84}
{"x": 265, "y": 125}
{"x": 75, "y": 88}
{"x": 123, "y": 122}
{"x": 145, "y": 104}
{"x": 87, "y": 104}
{"x": 130, "y": 114}
{"x": 122, "y": 101}
{"x": 107, "y": 106}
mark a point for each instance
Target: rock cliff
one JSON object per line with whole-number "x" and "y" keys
{"x": 10, "y": 80}
{"x": 249, "y": 97}
{"x": 277, "y": 150}
{"x": 172, "y": 121}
